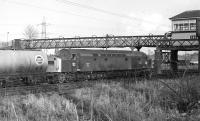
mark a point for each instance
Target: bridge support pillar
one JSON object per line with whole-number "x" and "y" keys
{"x": 158, "y": 61}
{"x": 199, "y": 55}
{"x": 138, "y": 48}
{"x": 132, "y": 48}
{"x": 16, "y": 44}
{"x": 174, "y": 60}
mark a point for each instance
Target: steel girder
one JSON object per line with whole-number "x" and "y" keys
{"x": 91, "y": 42}
{"x": 166, "y": 57}
{"x": 106, "y": 42}
{"x": 179, "y": 44}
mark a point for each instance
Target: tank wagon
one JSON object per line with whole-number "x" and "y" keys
{"x": 21, "y": 65}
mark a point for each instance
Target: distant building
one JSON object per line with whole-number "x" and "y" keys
{"x": 184, "y": 24}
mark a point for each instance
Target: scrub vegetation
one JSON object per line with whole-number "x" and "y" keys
{"x": 129, "y": 100}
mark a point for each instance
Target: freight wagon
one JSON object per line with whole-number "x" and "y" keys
{"x": 21, "y": 66}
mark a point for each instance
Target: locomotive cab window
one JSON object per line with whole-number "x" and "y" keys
{"x": 73, "y": 56}
{"x": 95, "y": 54}
{"x": 106, "y": 59}
{"x": 51, "y": 62}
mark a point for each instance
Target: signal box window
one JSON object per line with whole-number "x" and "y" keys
{"x": 175, "y": 27}
{"x": 181, "y": 27}
{"x": 192, "y": 26}
{"x": 184, "y": 25}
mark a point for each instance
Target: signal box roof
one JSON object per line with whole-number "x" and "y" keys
{"x": 187, "y": 15}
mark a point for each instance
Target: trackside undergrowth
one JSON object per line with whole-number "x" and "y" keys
{"x": 129, "y": 100}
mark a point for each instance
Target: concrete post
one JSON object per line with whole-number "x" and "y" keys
{"x": 158, "y": 61}
{"x": 199, "y": 55}
{"x": 16, "y": 44}
{"x": 132, "y": 48}
{"x": 198, "y": 35}
{"x": 174, "y": 60}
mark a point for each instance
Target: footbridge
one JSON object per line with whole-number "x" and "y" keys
{"x": 160, "y": 41}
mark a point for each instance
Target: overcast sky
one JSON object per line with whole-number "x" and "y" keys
{"x": 69, "y": 18}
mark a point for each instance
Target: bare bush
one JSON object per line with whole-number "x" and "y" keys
{"x": 31, "y": 32}
{"x": 182, "y": 94}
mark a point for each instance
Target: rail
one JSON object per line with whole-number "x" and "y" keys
{"x": 44, "y": 88}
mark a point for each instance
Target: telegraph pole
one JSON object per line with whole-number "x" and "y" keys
{"x": 44, "y": 31}
{"x": 44, "y": 28}
{"x": 7, "y": 36}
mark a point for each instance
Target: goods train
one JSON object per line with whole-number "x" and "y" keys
{"x": 35, "y": 67}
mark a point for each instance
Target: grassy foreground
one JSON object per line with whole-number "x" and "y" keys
{"x": 158, "y": 100}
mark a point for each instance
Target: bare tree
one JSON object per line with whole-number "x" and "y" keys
{"x": 31, "y": 32}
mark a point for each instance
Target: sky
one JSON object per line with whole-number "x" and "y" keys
{"x": 70, "y": 18}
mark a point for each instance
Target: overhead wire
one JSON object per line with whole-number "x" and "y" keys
{"x": 83, "y": 16}
{"x": 97, "y": 9}
{"x": 63, "y": 12}
{"x": 105, "y": 11}
{"x": 60, "y": 11}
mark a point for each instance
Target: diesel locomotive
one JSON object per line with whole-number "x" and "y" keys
{"x": 83, "y": 60}
{"x": 35, "y": 67}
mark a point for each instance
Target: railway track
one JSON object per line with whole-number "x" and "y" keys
{"x": 176, "y": 74}
{"x": 44, "y": 88}
{"x": 65, "y": 87}
{"x": 22, "y": 90}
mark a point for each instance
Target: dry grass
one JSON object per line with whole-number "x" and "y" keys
{"x": 37, "y": 108}
{"x": 113, "y": 101}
